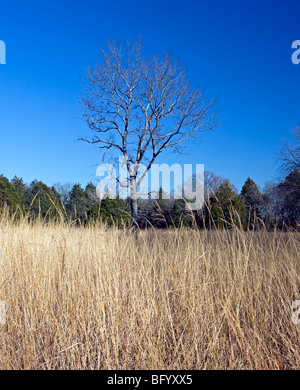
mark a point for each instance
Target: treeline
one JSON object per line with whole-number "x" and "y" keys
{"x": 277, "y": 205}
{"x": 73, "y": 203}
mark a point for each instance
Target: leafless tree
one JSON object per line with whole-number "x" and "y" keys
{"x": 290, "y": 154}
{"x": 141, "y": 106}
{"x": 63, "y": 190}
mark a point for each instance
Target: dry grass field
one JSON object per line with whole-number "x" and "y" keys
{"x": 94, "y": 298}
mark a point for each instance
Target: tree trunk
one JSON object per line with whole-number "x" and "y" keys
{"x": 133, "y": 203}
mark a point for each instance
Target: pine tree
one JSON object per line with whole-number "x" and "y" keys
{"x": 8, "y": 195}
{"x": 77, "y": 205}
{"x": 111, "y": 211}
{"x": 227, "y": 208}
{"x": 253, "y": 201}
{"x": 20, "y": 188}
{"x": 42, "y": 201}
{"x": 179, "y": 214}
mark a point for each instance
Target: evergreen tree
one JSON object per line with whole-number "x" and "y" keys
{"x": 253, "y": 201}
{"x": 77, "y": 205}
{"x": 20, "y": 188}
{"x": 227, "y": 208}
{"x": 8, "y": 195}
{"x": 43, "y": 201}
{"x": 179, "y": 214}
{"x": 111, "y": 211}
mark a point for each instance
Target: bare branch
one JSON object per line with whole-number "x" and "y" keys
{"x": 290, "y": 154}
{"x": 141, "y": 107}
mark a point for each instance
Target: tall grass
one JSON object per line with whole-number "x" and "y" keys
{"x": 97, "y": 298}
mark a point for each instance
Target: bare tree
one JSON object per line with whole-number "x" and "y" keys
{"x": 290, "y": 155}
{"x": 139, "y": 107}
{"x": 63, "y": 190}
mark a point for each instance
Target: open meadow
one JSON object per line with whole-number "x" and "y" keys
{"x": 95, "y": 298}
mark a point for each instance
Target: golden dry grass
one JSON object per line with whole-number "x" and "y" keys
{"x": 90, "y": 298}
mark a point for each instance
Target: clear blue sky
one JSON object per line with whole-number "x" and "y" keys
{"x": 239, "y": 50}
